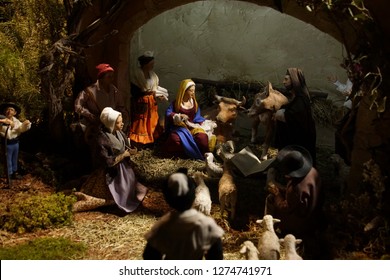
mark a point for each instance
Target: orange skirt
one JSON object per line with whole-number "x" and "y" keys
{"x": 144, "y": 120}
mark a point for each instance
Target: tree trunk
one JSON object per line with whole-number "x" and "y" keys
{"x": 371, "y": 141}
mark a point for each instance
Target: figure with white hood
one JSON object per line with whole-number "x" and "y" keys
{"x": 114, "y": 181}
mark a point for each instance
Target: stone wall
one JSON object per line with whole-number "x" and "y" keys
{"x": 238, "y": 41}
{"x": 249, "y": 15}
{"x": 259, "y": 56}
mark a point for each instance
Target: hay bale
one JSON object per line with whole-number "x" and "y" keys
{"x": 152, "y": 170}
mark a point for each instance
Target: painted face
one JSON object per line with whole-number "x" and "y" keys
{"x": 149, "y": 66}
{"x": 287, "y": 82}
{"x": 10, "y": 112}
{"x": 119, "y": 123}
{"x": 191, "y": 91}
{"x": 108, "y": 77}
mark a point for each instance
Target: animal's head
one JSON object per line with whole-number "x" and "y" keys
{"x": 257, "y": 107}
{"x": 198, "y": 177}
{"x": 268, "y": 99}
{"x": 267, "y": 223}
{"x": 248, "y": 246}
{"x": 290, "y": 239}
{"x": 228, "y": 108}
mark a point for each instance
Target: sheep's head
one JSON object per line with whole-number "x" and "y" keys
{"x": 248, "y": 246}
{"x": 198, "y": 177}
{"x": 290, "y": 239}
{"x": 267, "y": 223}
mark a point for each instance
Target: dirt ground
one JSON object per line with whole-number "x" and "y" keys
{"x": 111, "y": 235}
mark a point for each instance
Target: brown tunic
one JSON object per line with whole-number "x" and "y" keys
{"x": 298, "y": 205}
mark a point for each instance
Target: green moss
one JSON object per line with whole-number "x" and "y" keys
{"x": 45, "y": 249}
{"x": 37, "y": 212}
{"x": 27, "y": 30}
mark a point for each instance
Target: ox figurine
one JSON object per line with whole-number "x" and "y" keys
{"x": 266, "y": 103}
{"x": 226, "y": 117}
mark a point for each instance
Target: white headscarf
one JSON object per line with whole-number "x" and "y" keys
{"x": 108, "y": 117}
{"x": 178, "y": 185}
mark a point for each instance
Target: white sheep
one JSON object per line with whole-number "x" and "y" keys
{"x": 289, "y": 243}
{"x": 202, "y": 200}
{"x": 213, "y": 169}
{"x": 268, "y": 246}
{"x": 249, "y": 250}
{"x": 227, "y": 191}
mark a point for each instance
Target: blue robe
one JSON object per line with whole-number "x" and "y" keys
{"x": 190, "y": 147}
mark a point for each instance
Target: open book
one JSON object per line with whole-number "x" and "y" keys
{"x": 248, "y": 163}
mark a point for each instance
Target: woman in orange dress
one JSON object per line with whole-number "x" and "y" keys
{"x": 145, "y": 91}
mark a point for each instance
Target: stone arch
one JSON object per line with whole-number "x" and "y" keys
{"x": 134, "y": 14}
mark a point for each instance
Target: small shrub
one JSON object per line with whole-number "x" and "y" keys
{"x": 38, "y": 212}
{"x": 45, "y": 249}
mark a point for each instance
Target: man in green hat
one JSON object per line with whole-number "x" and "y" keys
{"x": 11, "y": 128}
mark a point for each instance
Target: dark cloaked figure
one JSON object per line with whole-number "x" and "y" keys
{"x": 184, "y": 233}
{"x": 294, "y": 121}
{"x": 296, "y": 195}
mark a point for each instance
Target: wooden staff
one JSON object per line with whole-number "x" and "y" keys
{"x": 6, "y": 158}
{"x": 5, "y": 155}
